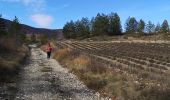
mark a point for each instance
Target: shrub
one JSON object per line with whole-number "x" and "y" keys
{"x": 8, "y": 44}
{"x": 44, "y": 39}
{"x": 3, "y": 33}
{"x": 60, "y": 54}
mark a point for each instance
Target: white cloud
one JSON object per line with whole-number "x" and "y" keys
{"x": 20, "y": 1}
{"x": 42, "y": 20}
{"x": 37, "y": 5}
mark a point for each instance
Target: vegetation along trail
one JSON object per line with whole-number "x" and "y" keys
{"x": 45, "y": 79}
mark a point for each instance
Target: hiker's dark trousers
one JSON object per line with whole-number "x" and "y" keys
{"x": 48, "y": 54}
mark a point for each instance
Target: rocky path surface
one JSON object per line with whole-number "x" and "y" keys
{"x": 45, "y": 79}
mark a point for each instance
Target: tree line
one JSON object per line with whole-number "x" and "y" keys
{"x": 13, "y": 30}
{"x": 134, "y": 26}
{"x": 110, "y": 25}
{"x": 100, "y": 25}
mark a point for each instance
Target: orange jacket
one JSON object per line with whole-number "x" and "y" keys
{"x": 49, "y": 49}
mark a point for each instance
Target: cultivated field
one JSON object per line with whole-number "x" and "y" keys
{"x": 146, "y": 64}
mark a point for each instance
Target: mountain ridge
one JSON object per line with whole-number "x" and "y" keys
{"x": 58, "y": 33}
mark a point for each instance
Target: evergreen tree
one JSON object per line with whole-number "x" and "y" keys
{"x": 69, "y": 30}
{"x": 150, "y": 27}
{"x": 165, "y": 26}
{"x": 82, "y": 28}
{"x": 141, "y": 26}
{"x": 15, "y": 27}
{"x": 158, "y": 28}
{"x": 100, "y": 25}
{"x": 91, "y": 26}
{"x": 3, "y": 28}
{"x": 2, "y": 24}
{"x": 115, "y": 27}
{"x": 78, "y": 28}
{"x": 131, "y": 25}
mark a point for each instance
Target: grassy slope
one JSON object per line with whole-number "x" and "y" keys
{"x": 93, "y": 73}
{"x": 11, "y": 57}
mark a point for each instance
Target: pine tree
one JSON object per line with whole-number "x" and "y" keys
{"x": 3, "y": 29}
{"x": 2, "y": 24}
{"x": 115, "y": 27}
{"x": 100, "y": 25}
{"x": 141, "y": 26}
{"x": 83, "y": 28}
{"x": 158, "y": 28}
{"x": 165, "y": 26}
{"x": 69, "y": 30}
{"x": 131, "y": 25}
{"x": 15, "y": 27}
{"x": 91, "y": 26}
{"x": 150, "y": 27}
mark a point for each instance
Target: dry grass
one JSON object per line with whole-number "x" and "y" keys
{"x": 94, "y": 74}
{"x": 11, "y": 57}
{"x": 8, "y": 44}
{"x": 98, "y": 76}
{"x": 80, "y": 62}
{"x": 60, "y": 54}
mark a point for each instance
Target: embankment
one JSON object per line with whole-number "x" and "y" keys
{"x": 12, "y": 57}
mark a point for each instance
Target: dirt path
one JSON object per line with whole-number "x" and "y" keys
{"x": 44, "y": 79}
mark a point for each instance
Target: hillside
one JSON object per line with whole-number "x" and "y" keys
{"x": 32, "y": 30}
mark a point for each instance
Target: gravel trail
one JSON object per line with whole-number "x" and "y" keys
{"x": 45, "y": 79}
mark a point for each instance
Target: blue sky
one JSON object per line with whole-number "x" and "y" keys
{"x": 54, "y": 14}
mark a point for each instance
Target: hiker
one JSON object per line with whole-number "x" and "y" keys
{"x": 49, "y": 49}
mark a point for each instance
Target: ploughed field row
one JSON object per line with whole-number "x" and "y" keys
{"x": 146, "y": 60}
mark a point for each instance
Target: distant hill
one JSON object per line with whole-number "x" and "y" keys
{"x": 32, "y": 30}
